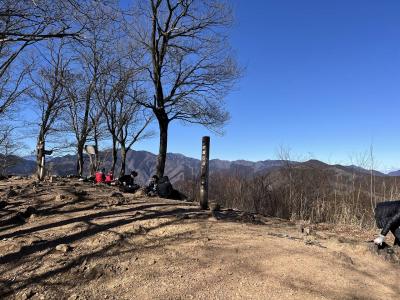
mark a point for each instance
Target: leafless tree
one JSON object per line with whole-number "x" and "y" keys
{"x": 187, "y": 61}
{"x": 49, "y": 95}
{"x": 12, "y": 87}
{"x": 98, "y": 133}
{"x": 119, "y": 95}
{"x": 78, "y": 113}
{"x": 131, "y": 122}
{"x": 27, "y": 22}
{"x": 9, "y": 145}
{"x": 91, "y": 64}
{"x": 106, "y": 95}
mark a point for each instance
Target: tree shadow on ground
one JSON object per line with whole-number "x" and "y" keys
{"x": 33, "y": 252}
{"x": 230, "y": 215}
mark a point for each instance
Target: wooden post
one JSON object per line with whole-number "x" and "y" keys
{"x": 42, "y": 167}
{"x": 205, "y": 156}
{"x": 40, "y": 161}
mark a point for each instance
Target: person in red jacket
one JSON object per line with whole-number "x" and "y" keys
{"x": 109, "y": 177}
{"x": 100, "y": 176}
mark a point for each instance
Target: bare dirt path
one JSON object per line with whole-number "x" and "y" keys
{"x": 81, "y": 243}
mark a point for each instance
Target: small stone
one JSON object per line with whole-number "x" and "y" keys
{"x": 60, "y": 197}
{"x": 30, "y": 210}
{"x": 390, "y": 254}
{"x": 11, "y": 193}
{"x": 152, "y": 262}
{"x": 116, "y": 194}
{"x": 26, "y": 295}
{"x": 73, "y": 297}
{"x": 3, "y": 204}
{"x": 33, "y": 217}
{"x": 63, "y": 248}
{"x": 343, "y": 257}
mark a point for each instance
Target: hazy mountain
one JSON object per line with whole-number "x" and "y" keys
{"x": 18, "y": 165}
{"x": 178, "y": 166}
{"x": 394, "y": 173}
{"x": 31, "y": 157}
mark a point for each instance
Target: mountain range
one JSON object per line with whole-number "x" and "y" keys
{"x": 178, "y": 166}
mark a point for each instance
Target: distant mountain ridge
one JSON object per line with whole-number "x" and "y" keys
{"x": 178, "y": 166}
{"x": 394, "y": 173}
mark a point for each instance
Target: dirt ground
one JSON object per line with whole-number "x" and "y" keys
{"x": 73, "y": 240}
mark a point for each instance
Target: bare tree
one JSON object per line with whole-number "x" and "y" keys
{"x": 187, "y": 60}
{"x": 98, "y": 133}
{"x": 26, "y": 22}
{"x": 106, "y": 95}
{"x": 119, "y": 95}
{"x": 78, "y": 113}
{"x": 49, "y": 96}
{"x": 8, "y": 148}
{"x": 131, "y": 121}
{"x": 132, "y": 125}
{"x": 91, "y": 64}
{"x": 12, "y": 87}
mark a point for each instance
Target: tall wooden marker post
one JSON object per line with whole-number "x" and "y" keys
{"x": 205, "y": 157}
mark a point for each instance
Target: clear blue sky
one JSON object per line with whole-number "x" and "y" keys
{"x": 322, "y": 77}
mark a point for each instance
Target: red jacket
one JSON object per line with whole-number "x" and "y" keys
{"x": 109, "y": 178}
{"x": 100, "y": 177}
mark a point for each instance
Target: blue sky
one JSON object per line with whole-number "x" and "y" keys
{"x": 321, "y": 78}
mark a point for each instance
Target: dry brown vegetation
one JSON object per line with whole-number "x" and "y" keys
{"x": 310, "y": 193}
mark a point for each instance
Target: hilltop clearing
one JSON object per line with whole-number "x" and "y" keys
{"x": 73, "y": 240}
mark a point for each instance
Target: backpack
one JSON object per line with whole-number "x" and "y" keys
{"x": 164, "y": 187}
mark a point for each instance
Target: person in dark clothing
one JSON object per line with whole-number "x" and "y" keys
{"x": 164, "y": 187}
{"x": 387, "y": 216}
{"x": 127, "y": 183}
{"x": 152, "y": 187}
{"x": 165, "y": 190}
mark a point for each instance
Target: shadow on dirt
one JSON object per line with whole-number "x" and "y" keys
{"x": 39, "y": 250}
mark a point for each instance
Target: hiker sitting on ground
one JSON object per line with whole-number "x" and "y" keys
{"x": 165, "y": 190}
{"x": 127, "y": 183}
{"x": 164, "y": 187}
{"x": 387, "y": 216}
{"x": 100, "y": 176}
{"x": 152, "y": 188}
{"x": 109, "y": 177}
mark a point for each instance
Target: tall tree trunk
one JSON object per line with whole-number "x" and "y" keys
{"x": 40, "y": 160}
{"x": 114, "y": 154}
{"x": 162, "y": 153}
{"x": 96, "y": 163}
{"x": 79, "y": 166}
{"x": 123, "y": 160}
